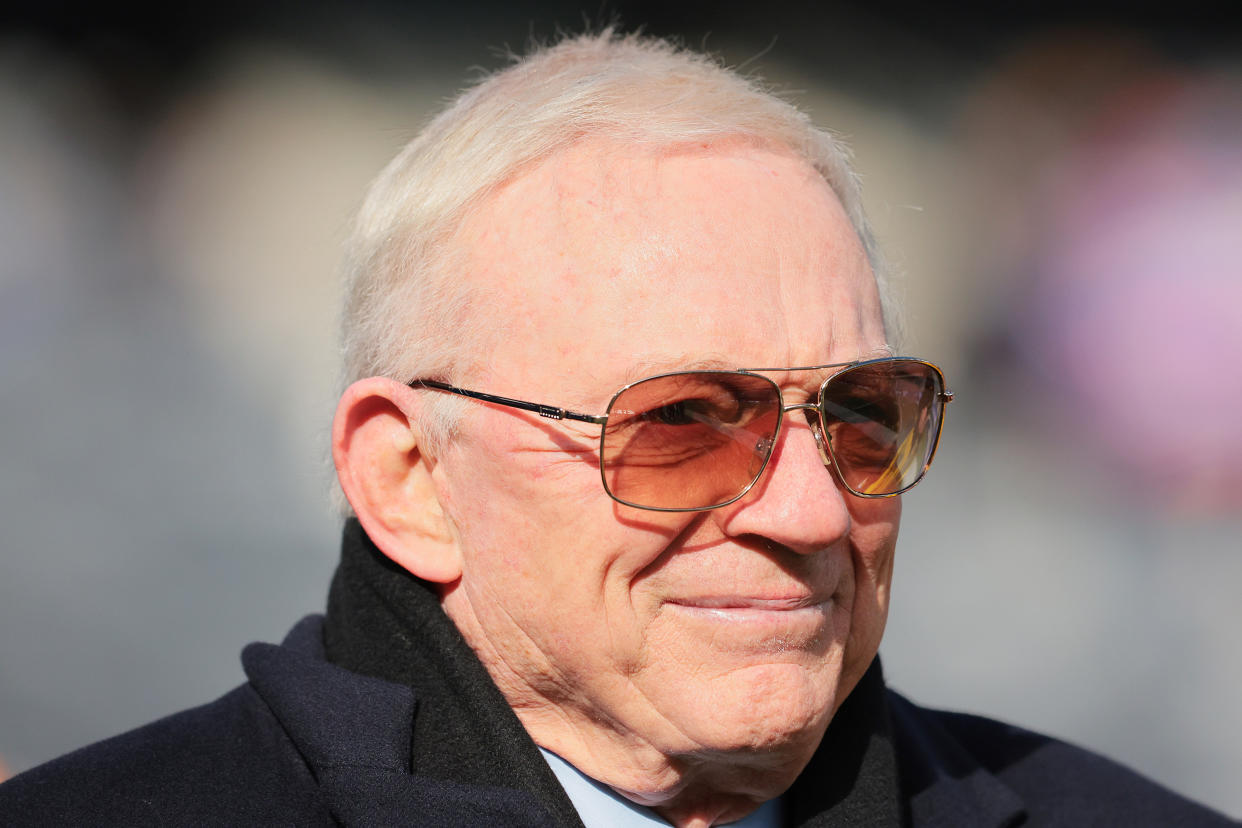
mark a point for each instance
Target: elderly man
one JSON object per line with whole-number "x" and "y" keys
{"x": 624, "y": 444}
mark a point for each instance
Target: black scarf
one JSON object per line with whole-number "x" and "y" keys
{"x": 384, "y": 622}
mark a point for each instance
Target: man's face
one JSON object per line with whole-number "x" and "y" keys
{"x": 625, "y": 638}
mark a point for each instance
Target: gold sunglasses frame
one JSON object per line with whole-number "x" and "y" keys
{"x": 551, "y": 412}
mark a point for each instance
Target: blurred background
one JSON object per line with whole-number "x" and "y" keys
{"x": 1059, "y": 189}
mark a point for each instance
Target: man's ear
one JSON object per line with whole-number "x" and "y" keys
{"x": 387, "y": 477}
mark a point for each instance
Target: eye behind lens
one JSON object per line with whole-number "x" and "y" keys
{"x": 690, "y": 440}
{"x": 882, "y": 422}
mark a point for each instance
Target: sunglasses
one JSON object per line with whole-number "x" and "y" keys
{"x": 687, "y": 441}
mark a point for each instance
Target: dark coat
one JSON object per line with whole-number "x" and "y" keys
{"x": 308, "y": 742}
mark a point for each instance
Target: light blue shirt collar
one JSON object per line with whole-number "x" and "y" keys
{"x": 599, "y": 806}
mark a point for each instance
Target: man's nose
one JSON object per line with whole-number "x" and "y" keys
{"x": 798, "y": 502}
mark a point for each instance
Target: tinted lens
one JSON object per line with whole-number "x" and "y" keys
{"x": 690, "y": 440}
{"x": 882, "y": 420}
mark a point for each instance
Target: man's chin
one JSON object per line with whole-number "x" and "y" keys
{"x": 757, "y": 711}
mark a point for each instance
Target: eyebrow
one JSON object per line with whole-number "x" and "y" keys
{"x": 650, "y": 365}
{"x": 665, "y": 363}
{"x": 875, "y": 353}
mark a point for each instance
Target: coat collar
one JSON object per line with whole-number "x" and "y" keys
{"x": 944, "y": 786}
{"x": 355, "y": 733}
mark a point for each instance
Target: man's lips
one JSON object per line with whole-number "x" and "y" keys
{"x": 750, "y": 602}
{"x": 756, "y": 624}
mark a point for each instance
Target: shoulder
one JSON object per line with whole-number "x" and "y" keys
{"x": 227, "y": 762}
{"x": 1057, "y": 783}
{"x": 303, "y": 742}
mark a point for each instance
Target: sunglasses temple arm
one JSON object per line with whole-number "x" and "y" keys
{"x": 549, "y": 411}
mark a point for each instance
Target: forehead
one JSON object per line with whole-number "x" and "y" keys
{"x": 606, "y": 256}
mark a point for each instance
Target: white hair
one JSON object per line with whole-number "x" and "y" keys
{"x": 407, "y": 311}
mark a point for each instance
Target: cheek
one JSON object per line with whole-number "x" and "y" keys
{"x": 874, "y": 539}
{"x": 534, "y": 524}
{"x": 497, "y": 490}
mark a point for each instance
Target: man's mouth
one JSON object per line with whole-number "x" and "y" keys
{"x": 786, "y": 603}
{"x": 752, "y": 624}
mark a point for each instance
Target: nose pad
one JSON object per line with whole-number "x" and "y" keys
{"x": 820, "y": 440}
{"x": 762, "y": 449}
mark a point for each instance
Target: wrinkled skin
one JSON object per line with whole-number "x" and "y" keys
{"x": 692, "y": 661}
